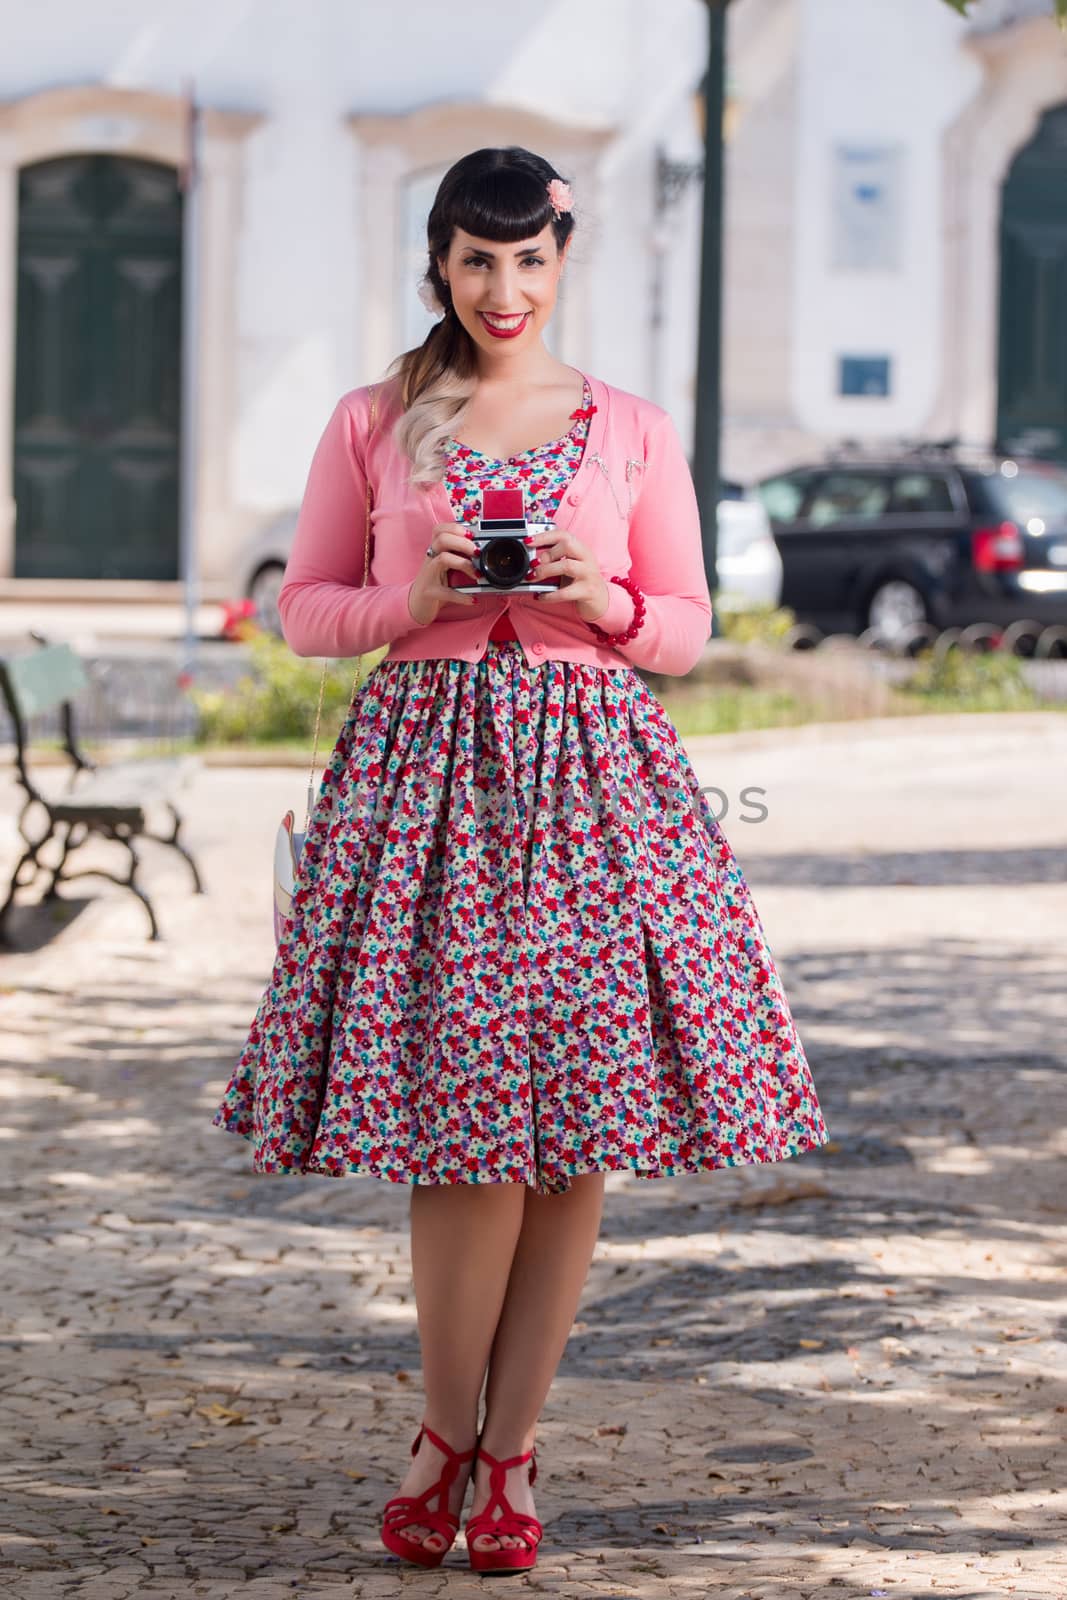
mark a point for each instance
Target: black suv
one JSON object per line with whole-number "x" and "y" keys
{"x": 931, "y": 534}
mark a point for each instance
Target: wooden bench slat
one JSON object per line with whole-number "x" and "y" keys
{"x": 132, "y": 780}
{"x": 127, "y": 812}
{"x": 43, "y": 679}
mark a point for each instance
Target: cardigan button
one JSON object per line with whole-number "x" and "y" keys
{"x": 575, "y": 499}
{"x": 538, "y": 648}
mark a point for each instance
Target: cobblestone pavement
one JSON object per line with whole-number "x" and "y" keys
{"x": 838, "y": 1376}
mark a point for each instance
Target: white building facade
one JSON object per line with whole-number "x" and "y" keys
{"x": 883, "y": 159}
{"x": 897, "y": 233}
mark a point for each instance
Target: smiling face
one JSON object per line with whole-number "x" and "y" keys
{"x": 513, "y": 284}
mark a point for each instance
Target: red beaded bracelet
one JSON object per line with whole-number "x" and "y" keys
{"x": 639, "y": 614}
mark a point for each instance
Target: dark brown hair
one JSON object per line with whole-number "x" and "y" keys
{"x": 499, "y": 194}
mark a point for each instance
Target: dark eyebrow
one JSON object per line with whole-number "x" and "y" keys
{"x": 531, "y": 249}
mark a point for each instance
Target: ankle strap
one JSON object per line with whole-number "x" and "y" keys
{"x": 442, "y": 1444}
{"x": 499, "y": 1468}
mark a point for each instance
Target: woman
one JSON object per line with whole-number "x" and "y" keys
{"x": 521, "y": 952}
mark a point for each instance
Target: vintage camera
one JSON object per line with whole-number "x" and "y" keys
{"x": 502, "y": 559}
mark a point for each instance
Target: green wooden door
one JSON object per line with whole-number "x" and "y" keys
{"x": 1032, "y": 408}
{"x": 97, "y": 378}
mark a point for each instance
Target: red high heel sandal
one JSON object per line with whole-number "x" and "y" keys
{"x": 404, "y": 1509}
{"x": 518, "y": 1524}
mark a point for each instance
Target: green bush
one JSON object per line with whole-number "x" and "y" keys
{"x": 724, "y": 709}
{"x": 278, "y": 697}
{"x": 764, "y": 624}
{"x": 966, "y": 680}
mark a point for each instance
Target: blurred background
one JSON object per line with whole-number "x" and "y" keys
{"x": 830, "y": 238}
{"x": 212, "y": 222}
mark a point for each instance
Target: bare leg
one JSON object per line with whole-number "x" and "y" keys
{"x": 463, "y": 1238}
{"x": 549, "y": 1269}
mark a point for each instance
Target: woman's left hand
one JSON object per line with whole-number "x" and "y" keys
{"x": 561, "y": 554}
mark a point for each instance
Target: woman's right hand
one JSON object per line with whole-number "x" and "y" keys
{"x": 452, "y": 550}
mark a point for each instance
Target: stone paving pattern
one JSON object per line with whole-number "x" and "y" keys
{"x": 840, "y": 1376}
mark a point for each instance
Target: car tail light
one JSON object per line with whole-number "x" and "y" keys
{"x": 998, "y": 549}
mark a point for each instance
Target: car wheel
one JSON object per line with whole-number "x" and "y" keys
{"x": 895, "y": 608}
{"x": 264, "y": 590}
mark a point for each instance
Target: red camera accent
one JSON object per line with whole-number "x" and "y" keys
{"x": 503, "y": 504}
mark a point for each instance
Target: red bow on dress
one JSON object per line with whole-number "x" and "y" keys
{"x": 585, "y": 412}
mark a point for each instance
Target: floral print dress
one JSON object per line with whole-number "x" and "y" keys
{"x": 521, "y": 947}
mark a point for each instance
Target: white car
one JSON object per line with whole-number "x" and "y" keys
{"x": 749, "y": 566}
{"x": 259, "y": 568}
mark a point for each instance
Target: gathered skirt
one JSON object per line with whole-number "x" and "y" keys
{"x": 520, "y": 948}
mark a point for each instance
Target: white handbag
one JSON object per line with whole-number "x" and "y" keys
{"x": 289, "y": 842}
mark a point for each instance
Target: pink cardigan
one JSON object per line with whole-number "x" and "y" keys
{"x": 631, "y": 501}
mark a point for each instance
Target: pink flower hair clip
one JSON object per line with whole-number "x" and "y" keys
{"x": 559, "y": 193}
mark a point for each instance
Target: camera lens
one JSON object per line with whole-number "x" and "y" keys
{"x": 504, "y": 562}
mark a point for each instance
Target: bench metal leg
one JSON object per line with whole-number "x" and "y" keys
{"x": 129, "y": 882}
{"x": 70, "y": 842}
{"x": 31, "y": 856}
{"x": 174, "y": 841}
{"x": 28, "y": 855}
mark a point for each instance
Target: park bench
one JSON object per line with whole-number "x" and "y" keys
{"x": 108, "y": 800}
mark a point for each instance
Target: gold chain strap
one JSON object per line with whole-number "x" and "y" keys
{"x": 359, "y": 660}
